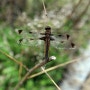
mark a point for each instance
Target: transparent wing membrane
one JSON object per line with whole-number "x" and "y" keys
{"x": 63, "y": 44}
{"x": 60, "y": 41}
{"x": 29, "y": 42}
{"x": 29, "y": 38}
{"x": 25, "y": 34}
{"x": 61, "y": 37}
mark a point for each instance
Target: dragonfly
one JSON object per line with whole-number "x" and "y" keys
{"x": 58, "y": 40}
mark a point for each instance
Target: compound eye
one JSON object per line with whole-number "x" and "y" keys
{"x": 47, "y": 28}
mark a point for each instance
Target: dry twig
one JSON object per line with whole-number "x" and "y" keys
{"x": 13, "y": 59}
{"x": 51, "y": 78}
{"x": 57, "y": 66}
{"x": 30, "y": 72}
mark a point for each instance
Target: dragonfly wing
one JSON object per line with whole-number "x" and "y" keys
{"x": 29, "y": 42}
{"x": 61, "y": 37}
{"x": 62, "y": 42}
{"x": 63, "y": 45}
{"x": 27, "y": 34}
{"x": 29, "y": 38}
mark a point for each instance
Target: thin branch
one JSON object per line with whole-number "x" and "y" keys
{"x": 50, "y": 78}
{"x": 13, "y": 59}
{"x": 70, "y": 16}
{"x": 82, "y": 14}
{"x": 20, "y": 71}
{"x": 44, "y": 7}
{"x": 58, "y": 66}
{"x": 30, "y": 72}
{"x": 75, "y": 7}
{"x": 79, "y": 17}
{"x": 46, "y": 14}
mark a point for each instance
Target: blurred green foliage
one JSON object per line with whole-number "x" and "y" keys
{"x": 9, "y": 70}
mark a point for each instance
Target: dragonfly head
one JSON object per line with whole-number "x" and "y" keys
{"x": 47, "y": 28}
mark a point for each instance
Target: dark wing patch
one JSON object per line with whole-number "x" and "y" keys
{"x": 73, "y": 45}
{"x": 20, "y": 31}
{"x": 68, "y": 36}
